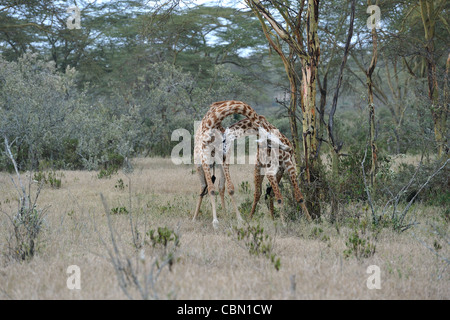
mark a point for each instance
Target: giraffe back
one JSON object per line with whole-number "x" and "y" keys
{"x": 218, "y": 111}
{"x": 248, "y": 127}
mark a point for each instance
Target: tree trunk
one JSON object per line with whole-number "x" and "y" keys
{"x": 293, "y": 85}
{"x": 369, "y": 72}
{"x": 309, "y": 81}
{"x": 293, "y": 37}
{"x": 335, "y": 145}
{"x": 439, "y": 111}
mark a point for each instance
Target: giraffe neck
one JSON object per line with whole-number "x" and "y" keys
{"x": 220, "y": 110}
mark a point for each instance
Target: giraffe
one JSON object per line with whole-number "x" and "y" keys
{"x": 207, "y": 134}
{"x": 209, "y": 130}
{"x": 286, "y": 160}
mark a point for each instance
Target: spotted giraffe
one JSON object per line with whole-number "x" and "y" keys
{"x": 209, "y": 130}
{"x": 286, "y": 159}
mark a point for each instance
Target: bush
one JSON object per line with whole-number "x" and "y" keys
{"x": 358, "y": 246}
{"x": 257, "y": 243}
{"x": 52, "y": 178}
{"x": 349, "y": 184}
{"x": 27, "y": 222}
{"x": 436, "y": 192}
{"x": 34, "y": 103}
{"x": 359, "y": 243}
{"x": 26, "y": 227}
{"x": 119, "y": 210}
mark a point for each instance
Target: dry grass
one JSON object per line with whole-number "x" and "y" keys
{"x": 213, "y": 264}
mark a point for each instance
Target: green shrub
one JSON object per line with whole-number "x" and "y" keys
{"x": 257, "y": 243}
{"x": 359, "y": 243}
{"x": 119, "y": 210}
{"x": 162, "y": 237}
{"x": 245, "y": 207}
{"x": 358, "y": 246}
{"x": 51, "y": 178}
{"x": 166, "y": 240}
{"x": 244, "y": 187}
{"x": 107, "y": 173}
{"x": 318, "y": 233}
{"x": 120, "y": 185}
{"x": 436, "y": 192}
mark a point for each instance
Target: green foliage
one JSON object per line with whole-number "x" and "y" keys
{"x": 318, "y": 233}
{"x": 71, "y": 160}
{"x": 51, "y": 178}
{"x": 244, "y": 187}
{"x": 163, "y": 237}
{"x": 34, "y": 103}
{"x": 257, "y": 243}
{"x": 351, "y": 181}
{"x": 120, "y": 185}
{"x": 119, "y": 210}
{"x": 436, "y": 192}
{"x": 107, "y": 173}
{"x": 27, "y": 226}
{"x": 245, "y": 207}
{"x": 358, "y": 247}
{"x": 23, "y": 241}
{"x": 168, "y": 241}
{"x": 358, "y": 243}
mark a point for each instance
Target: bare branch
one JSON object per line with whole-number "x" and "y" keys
{"x": 423, "y": 186}
{"x": 23, "y": 199}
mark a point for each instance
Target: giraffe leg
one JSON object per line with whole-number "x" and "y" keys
{"x": 279, "y": 175}
{"x": 212, "y": 194}
{"x": 271, "y": 206}
{"x": 208, "y": 178}
{"x": 213, "y": 203}
{"x": 238, "y": 214}
{"x": 269, "y": 158}
{"x": 258, "y": 179}
{"x": 207, "y": 160}
{"x": 197, "y": 209}
{"x": 297, "y": 193}
{"x": 230, "y": 186}
{"x": 276, "y": 190}
{"x": 222, "y": 188}
{"x": 201, "y": 176}
{"x": 209, "y": 182}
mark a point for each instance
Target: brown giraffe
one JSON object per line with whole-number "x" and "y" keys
{"x": 211, "y": 129}
{"x": 286, "y": 160}
{"x": 204, "y": 153}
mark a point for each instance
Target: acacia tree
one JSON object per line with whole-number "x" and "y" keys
{"x": 335, "y": 144}
{"x": 275, "y": 39}
{"x": 296, "y": 19}
{"x": 430, "y": 13}
{"x": 371, "y": 105}
{"x": 420, "y": 36}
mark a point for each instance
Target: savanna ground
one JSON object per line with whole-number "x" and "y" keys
{"x": 209, "y": 264}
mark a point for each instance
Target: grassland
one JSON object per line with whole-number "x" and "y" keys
{"x": 210, "y": 264}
